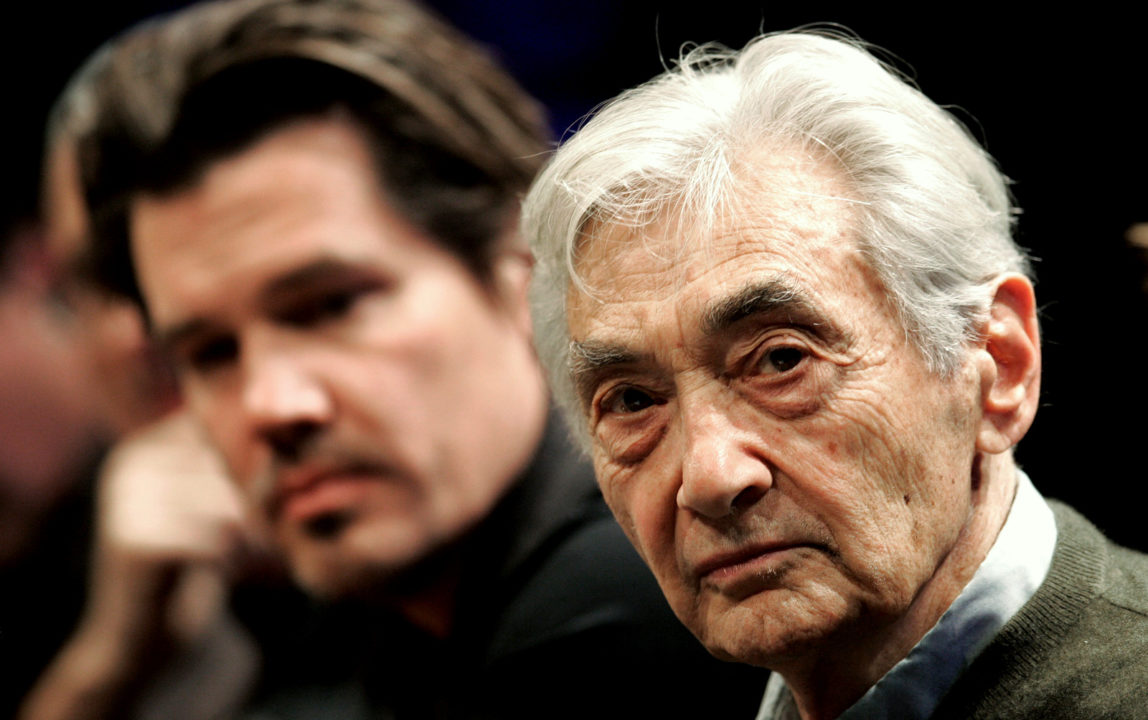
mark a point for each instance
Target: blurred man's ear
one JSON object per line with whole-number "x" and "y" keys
{"x": 1009, "y": 366}
{"x": 510, "y": 279}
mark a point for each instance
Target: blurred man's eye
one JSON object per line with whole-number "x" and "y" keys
{"x": 209, "y": 355}
{"x": 328, "y": 301}
{"x": 321, "y": 308}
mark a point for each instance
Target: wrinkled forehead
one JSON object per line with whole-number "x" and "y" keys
{"x": 781, "y": 206}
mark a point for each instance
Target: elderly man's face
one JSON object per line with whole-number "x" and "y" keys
{"x": 369, "y": 394}
{"x": 773, "y": 445}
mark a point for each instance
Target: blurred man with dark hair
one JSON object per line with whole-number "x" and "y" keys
{"x": 322, "y": 230}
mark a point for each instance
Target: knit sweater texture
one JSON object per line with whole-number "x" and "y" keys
{"x": 1077, "y": 649}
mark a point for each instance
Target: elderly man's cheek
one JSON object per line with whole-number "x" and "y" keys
{"x": 857, "y": 429}
{"x": 629, "y": 441}
{"x": 614, "y": 484}
{"x": 643, "y": 508}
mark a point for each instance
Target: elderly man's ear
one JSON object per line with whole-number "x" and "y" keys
{"x": 1008, "y": 360}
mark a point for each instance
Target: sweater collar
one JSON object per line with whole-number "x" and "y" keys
{"x": 1014, "y": 568}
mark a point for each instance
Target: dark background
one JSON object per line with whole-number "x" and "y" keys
{"x": 1056, "y": 97}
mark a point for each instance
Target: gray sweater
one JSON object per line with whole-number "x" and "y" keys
{"x": 1077, "y": 649}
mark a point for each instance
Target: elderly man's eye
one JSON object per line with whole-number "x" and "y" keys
{"x": 629, "y": 400}
{"x": 781, "y": 359}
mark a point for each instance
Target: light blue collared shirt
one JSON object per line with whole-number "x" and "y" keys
{"x": 1015, "y": 567}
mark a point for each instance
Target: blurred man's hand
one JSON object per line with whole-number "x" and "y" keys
{"x": 169, "y": 529}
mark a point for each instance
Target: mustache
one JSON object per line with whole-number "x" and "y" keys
{"x": 320, "y": 454}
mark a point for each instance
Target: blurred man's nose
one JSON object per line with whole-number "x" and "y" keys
{"x": 284, "y": 397}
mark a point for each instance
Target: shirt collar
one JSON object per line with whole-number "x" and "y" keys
{"x": 1015, "y": 567}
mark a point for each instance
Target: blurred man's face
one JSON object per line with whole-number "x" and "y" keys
{"x": 48, "y": 429}
{"x": 776, "y": 449}
{"x": 133, "y": 381}
{"x": 368, "y": 393}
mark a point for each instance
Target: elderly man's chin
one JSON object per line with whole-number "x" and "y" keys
{"x": 775, "y": 626}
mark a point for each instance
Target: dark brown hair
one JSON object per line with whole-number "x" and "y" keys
{"x": 455, "y": 139}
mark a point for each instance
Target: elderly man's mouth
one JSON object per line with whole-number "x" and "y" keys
{"x": 746, "y": 571}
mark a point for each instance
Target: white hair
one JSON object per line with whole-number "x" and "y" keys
{"x": 934, "y": 214}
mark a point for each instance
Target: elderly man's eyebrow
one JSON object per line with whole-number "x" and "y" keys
{"x": 590, "y": 360}
{"x": 775, "y": 298}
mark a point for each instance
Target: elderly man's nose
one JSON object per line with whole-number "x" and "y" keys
{"x": 721, "y": 472}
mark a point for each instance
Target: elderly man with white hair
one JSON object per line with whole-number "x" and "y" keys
{"x": 777, "y": 292}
